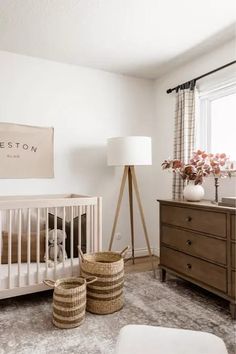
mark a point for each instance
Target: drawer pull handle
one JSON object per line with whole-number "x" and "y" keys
{"x": 189, "y": 266}
{"x": 188, "y": 219}
{"x": 189, "y": 242}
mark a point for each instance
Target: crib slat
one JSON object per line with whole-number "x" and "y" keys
{"x": 83, "y": 209}
{"x": 55, "y": 243}
{"x": 83, "y": 212}
{"x": 95, "y": 241}
{"x": 46, "y": 243}
{"x": 91, "y": 228}
{"x": 19, "y": 246}
{"x": 38, "y": 244}
{"x": 99, "y": 226}
{"x": 9, "y": 247}
{"x": 28, "y": 243}
{"x": 88, "y": 247}
{"x": 64, "y": 231}
{"x": 72, "y": 237}
{"x": 79, "y": 227}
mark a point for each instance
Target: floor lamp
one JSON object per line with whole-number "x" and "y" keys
{"x": 128, "y": 152}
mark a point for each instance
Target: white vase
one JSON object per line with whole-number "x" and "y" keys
{"x": 193, "y": 193}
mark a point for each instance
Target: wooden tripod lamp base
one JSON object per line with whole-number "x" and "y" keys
{"x": 124, "y": 145}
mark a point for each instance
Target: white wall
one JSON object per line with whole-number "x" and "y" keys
{"x": 165, "y": 105}
{"x": 85, "y": 107}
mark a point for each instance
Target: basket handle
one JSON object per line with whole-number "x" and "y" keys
{"x": 50, "y": 283}
{"x": 91, "y": 279}
{"x": 81, "y": 255}
{"x": 123, "y": 253}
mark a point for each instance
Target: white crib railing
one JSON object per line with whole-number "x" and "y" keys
{"x": 25, "y": 226}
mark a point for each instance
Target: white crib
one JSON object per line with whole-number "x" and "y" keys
{"x": 28, "y": 218}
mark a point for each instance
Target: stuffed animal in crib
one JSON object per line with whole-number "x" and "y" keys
{"x": 59, "y": 245}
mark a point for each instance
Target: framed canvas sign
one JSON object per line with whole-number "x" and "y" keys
{"x": 26, "y": 151}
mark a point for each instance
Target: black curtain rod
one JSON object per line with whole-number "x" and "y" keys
{"x": 200, "y": 77}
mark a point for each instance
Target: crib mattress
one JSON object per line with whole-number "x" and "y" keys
{"x": 36, "y": 277}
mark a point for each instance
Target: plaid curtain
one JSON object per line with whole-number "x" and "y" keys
{"x": 184, "y": 137}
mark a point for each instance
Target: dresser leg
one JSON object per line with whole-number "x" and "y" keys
{"x": 232, "y": 307}
{"x": 163, "y": 275}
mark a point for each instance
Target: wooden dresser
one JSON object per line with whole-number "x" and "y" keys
{"x": 198, "y": 243}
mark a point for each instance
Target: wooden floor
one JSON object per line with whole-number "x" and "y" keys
{"x": 142, "y": 264}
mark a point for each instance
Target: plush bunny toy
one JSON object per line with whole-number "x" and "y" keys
{"x": 51, "y": 247}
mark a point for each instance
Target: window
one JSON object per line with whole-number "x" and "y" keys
{"x": 216, "y": 126}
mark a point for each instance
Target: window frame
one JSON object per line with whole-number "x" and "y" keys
{"x": 203, "y": 126}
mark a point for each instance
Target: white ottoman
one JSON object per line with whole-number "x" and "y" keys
{"x": 138, "y": 339}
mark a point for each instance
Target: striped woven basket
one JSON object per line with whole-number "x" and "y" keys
{"x": 105, "y": 295}
{"x": 69, "y": 301}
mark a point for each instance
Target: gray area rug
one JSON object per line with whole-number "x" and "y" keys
{"x": 26, "y": 328}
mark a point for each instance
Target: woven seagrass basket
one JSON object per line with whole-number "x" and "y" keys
{"x": 69, "y": 301}
{"x": 105, "y": 295}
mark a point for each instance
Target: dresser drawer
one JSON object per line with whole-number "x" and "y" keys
{"x": 200, "y": 220}
{"x": 196, "y": 245}
{"x": 233, "y": 226}
{"x": 233, "y": 255}
{"x": 210, "y": 274}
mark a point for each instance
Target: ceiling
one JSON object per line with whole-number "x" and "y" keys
{"x": 136, "y": 37}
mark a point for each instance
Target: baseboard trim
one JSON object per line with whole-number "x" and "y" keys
{"x": 142, "y": 252}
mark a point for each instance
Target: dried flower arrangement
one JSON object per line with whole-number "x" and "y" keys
{"x": 201, "y": 165}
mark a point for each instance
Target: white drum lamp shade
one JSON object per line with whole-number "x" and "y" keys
{"x": 129, "y": 151}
